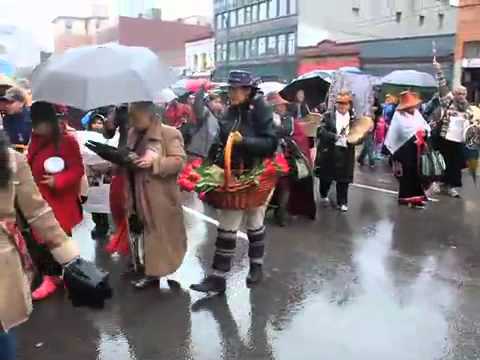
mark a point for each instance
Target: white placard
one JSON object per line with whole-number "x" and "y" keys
{"x": 456, "y": 129}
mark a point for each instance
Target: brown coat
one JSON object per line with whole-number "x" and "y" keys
{"x": 157, "y": 198}
{"x": 15, "y": 304}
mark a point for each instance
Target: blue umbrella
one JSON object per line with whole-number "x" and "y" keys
{"x": 6, "y": 68}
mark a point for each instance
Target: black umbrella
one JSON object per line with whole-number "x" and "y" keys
{"x": 315, "y": 84}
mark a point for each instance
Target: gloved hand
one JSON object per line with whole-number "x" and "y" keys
{"x": 86, "y": 284}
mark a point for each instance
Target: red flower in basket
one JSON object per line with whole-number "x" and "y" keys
{"x": 282, "y": 163}
{"x": 186, "y": 185}
{"x": 194, "y": 177}
{"x": 196, "y": 163}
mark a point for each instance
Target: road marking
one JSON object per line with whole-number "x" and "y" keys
{"x": 209, "y": 220}
{"x": 382, "y": 190}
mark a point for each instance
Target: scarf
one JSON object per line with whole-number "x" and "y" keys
{"x": 403, "y": 127}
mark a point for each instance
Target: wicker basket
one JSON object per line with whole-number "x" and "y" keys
{"x": 235, "y": 196}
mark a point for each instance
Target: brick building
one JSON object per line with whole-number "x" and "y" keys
{"x": 467, "y": 51}
{"x": 71, "y": 31}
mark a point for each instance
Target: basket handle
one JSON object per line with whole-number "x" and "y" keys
{"x": 227, "y": 158}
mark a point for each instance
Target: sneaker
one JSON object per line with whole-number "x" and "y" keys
{"x": 211, "y": 284}
{"x": 255, "y": 275}
{"x": 46, "y": 289}
{"x": 452, "y": 192}
{"x": 325, "y": 202}
{"x": 343, "y": 208}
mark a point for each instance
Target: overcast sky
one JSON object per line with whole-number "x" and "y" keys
{"x": 36, "y": 15}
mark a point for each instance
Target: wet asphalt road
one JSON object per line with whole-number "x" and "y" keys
{"x": 381, "y": 282}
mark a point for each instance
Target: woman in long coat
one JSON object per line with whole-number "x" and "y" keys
{"x": 335, "y": 156}
{"x": 153, "y": 194}
{"x": 18, "y": 189}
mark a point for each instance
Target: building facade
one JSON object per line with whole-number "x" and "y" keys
{"x": 200, "y": 56}
{"x": 467, "y": 52}
{"x": 71, "y": 32}
{"x": 256, "y": 35}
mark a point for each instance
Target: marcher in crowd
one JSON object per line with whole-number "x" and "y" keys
{"x": 18, "y": 190}
{"x": 456, "y": 115}
{"x": 368, "y": 150}
{"x": 294, "y": 192}
{"x": 301, "y": 108}
{"x": 61, "y": 187}
{"x": 405, "y": 140}
{"x": 96, "y": 123}
{"x": 208, "y": 109}
{"x": 249, "y": 118}
{"x": 17, "y": 122}
{"x": 154, "y": 196}
{"x": 26, "y": 86}
{"x": 177, "y": 114}
{"x": 335, "y": 159}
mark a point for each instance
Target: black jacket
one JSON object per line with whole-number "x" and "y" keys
{"x": 333, "y": 162}
{"x": 254, "y": 121}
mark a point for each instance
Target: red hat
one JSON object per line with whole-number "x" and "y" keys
{"x": 408, "y": 100}
{"x": 275, "y": 99}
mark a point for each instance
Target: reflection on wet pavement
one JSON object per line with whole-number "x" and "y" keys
{"x": 381, "y": 282}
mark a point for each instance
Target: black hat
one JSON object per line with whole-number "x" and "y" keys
{"x": 43, "y": 112}
{"x": 240, "y": 78}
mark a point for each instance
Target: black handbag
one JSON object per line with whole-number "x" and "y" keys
{"x": 300, "y": 167}
{"x": 86, "y": 284}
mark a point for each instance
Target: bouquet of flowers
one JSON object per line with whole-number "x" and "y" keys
{"x": 205, "y": 178}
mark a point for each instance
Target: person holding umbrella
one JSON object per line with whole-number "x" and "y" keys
{"x": 250, "y": 120}
{"x": 335, "y": 159}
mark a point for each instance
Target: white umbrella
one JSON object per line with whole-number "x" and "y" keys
{"x": 410, "y": 78}
{"x": 165, "y": 96}
{"x": 271, "y": 86}
{"x": 94, "y": 76}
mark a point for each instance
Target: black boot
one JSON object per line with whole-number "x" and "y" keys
{"x": 255, "y": 275}
{"x": 211, "y": 284}
{"x": 281, "y": 217}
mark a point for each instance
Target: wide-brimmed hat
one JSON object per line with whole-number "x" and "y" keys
{"x": 408, "y": 100}
{"x": 275, "y": 99}
{"x": 344, "y": 99}
{"x": 240, "y": 78}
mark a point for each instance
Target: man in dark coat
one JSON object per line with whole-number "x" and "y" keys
{"x": 335, "y": 156}
{"x": 250, "y": 121}
{"x": 17, "y": 123}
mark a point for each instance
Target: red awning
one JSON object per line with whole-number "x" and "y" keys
{"x": 327, "y": 64}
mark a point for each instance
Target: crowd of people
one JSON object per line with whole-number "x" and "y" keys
{"x": 144, "y": 218}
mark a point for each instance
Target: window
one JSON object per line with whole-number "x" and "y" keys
{"x": 68, "y": 25}
{"x": 262, "y": 11}
{"x": 219, "y": 53}
{"x": 233, "y": 50}
{"x": 262, "y": 46}
{"x": 241, "y": 16}
{"x": 224, "y": 52}
{"x": 272, "y": 45}
{"x": 273, "y": 9}
{"x": 398, "y": 16}
{"x": 291, "y": 44}
{"x": 240, "y": 50}
{"x": 248, "y": 15}
{"x": 247, "y": 49}
{"x": 195, "y": 62}
{"x": 441, "y": 19}
{"x": 282, "y": 44}
{"x": 292, "y": 7}
{"x": 254, "y": 48}
{"x": 219, "y": 21}
{"x": 471, "y": 50}
{"x": 421, "y": 20}
{"x": 204, "y": 62}
{"x": 254, "y": 13}
{"x": 233, "y": 18}
{"x": 283, "y": 8}
{"x": 356, "y": 11}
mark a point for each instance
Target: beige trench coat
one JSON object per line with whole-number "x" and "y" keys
{"x": 15, "y": 299}
{"x": 157, "y": 198}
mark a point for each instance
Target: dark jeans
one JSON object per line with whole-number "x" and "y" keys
{"x": 368, "y": 151}
{"x": 342, "y": 191}
{"x": 7, "y": 346}
{"x": 455, "y": 160}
